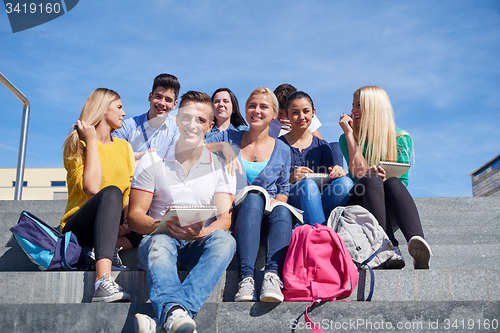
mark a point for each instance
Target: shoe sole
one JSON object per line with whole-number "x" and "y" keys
{"x": 394, "y": 264}
{"x": 246, "y": 299}
{"x": 420, "y": 252}
{"x": 186, "y": 325}
{"x": 271, "y": 298}
{"x": 118, "y": 297}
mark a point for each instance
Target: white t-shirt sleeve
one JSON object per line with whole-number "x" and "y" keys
{"x": 145, "y": 173}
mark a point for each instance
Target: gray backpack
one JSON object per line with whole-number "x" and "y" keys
{"x": 363, "y": 236}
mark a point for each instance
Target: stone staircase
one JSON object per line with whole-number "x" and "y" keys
{"x": 461, "y": 291}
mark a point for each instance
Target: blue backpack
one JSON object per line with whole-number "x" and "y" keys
{"x": 46, "y": 247}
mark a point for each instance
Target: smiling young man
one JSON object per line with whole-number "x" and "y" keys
{"x": 188, "y": 175}
{"x": 154, "y": 130}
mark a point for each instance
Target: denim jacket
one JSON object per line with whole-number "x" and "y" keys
{"x": 275, "y": 176}
{"x": 216, "y": 130}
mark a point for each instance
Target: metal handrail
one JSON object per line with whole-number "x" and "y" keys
{"x": 21, "y": 159}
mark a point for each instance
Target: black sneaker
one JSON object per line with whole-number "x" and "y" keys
{"x": 396, "y": 261}
{"x": 116, "y": 262}
{"x": 109, "y": 291}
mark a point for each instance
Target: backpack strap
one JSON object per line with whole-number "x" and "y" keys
{"x": 372, "y": 275}
{"x": 308, "y": 320}
{"x": 67, "y": 238}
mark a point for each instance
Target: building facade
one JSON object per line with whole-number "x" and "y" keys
{"x": 486, "y": 179}
{"x": 39, "y": 184}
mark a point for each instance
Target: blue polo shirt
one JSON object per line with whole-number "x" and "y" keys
{"x": 141, "y": 138}
{"x": 274, "y": 178}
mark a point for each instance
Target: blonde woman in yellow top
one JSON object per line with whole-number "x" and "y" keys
{"x": 100, "y": 170}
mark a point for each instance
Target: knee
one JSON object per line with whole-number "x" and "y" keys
{"x": 307, "y": 189}
{"x": 223, "y": 242}
{"x": 371, "y": 181}
{"x": 251, "y": 207}
{"x": 281, "y": 214}
{"x": 254, "y": 198}
{"x": 393, "y": 182}
{"x": 157, "y": 247}
{"x": 309, "y": 186}
{"x": 112, "y": 195}
{"x": 342, "y": 185}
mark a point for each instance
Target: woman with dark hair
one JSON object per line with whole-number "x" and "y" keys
{"x": 310, "y": 154}
{"x": 227, "y": 112}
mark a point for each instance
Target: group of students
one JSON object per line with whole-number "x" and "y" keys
{"x": 123, "y": 174}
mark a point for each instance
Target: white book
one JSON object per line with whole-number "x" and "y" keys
{"x": 187, "y": 215}
{"x": 394, "y": 169}
{"x": 296, "y": 213}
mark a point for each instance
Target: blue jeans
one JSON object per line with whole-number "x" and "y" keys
{"x": 163, "y": 256}
{"x": 317, "y": 206}
{"x": 276, "y": 228}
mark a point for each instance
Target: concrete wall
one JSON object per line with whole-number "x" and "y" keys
{"x": 39, "y": 184}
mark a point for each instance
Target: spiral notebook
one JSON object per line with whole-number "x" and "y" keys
{"x": 321, "y": 179}
{"x": 394, "y": 169}
{"x": 187, "y": 215}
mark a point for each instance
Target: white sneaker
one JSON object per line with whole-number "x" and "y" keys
{"x": 179, "y": 321}
{"x": 109, "y": 291}
{"x": 271, "y": 288}
{"x": 246, "y": 291}
{"x": 420, "y": 251}
{"x": 146, "y": 324}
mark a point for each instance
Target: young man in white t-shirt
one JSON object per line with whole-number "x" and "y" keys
{"x": 188, "y": 174}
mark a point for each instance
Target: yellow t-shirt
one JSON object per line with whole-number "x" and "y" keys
{"x": 117, "y": 165}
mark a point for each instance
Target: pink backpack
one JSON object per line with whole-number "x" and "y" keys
{"x": 318, "y": 267}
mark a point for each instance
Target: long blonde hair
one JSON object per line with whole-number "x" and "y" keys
{"x": 377, "y": 128}
{"x": 93, "y": 111}
{"x": 269, "y": 93}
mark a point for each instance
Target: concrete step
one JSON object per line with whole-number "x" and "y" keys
{"x": 410, "y": 285}
{"x": 460, "y": 292}
{"x": 61, "y": 287}
{"x": 465, "y": 316}
{"x": 463, "y": 232}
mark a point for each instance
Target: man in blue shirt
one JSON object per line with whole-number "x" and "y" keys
{"x": 154, "y": 130}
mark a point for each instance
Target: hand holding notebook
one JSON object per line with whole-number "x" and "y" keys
{"x": 185, "y": 215}
{"x": 394, "y": 169}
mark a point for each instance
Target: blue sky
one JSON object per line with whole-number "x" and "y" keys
{"x": 437, "y": 60}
